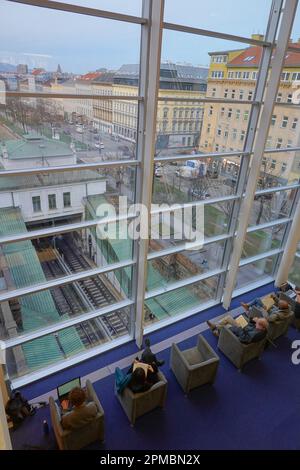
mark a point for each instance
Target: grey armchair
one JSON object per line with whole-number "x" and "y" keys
{"x": 77, "y": 438}
{"x": 295, "y": 321}
{"x": 238, "y": 353}
{"x": 138, "y": 404}
{"x": 276, "y": 328}
{"x": 196, "y": 366}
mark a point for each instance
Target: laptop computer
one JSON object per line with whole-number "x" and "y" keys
{"x": 64, "y": 390}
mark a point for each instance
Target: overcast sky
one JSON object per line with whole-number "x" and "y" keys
{"x": 41, "y": 37}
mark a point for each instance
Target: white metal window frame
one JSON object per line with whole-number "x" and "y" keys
{"x": 155, "y": 7}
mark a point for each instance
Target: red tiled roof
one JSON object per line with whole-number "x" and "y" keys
{"x": 37, "y": 71}
{"x": 91, "y": 76}
{"x": 251, "y": 57}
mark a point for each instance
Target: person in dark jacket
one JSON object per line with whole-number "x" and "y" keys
{"x": 253, "y": 332}
{"x": 149, "y": 357}
{"x": 138, "y": 382}
{"x": 82, "y": 412}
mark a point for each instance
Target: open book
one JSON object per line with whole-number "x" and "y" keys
{"x": 268, "y": 302}
{"x": 141, "y": 365}
{"x": 241, "y": 321}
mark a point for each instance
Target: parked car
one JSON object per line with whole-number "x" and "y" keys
{"x": 67, "y": 132}
{"x": 99, "y": 145}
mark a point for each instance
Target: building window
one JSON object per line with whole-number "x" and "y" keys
{"x": 254, "y": 75}
{"x": 233, "y": 94}
{"x": 279, "y": 97}
{"x": 246, "y": 115}
{"x": 213, "y": 93}
{"x": 229, "y": 113}
{"x": 238, "y": 114}
{"x": 226, "y": 93}
{"x": 67, "y": 199}
{"x": 269, "y": 142}
{"x": 211, "y": 110}
{"x": 246, "y": 75}
{"x": 285, "y": 120}
{"x": 219, "y": 131}
{"x": 289, "y": 98}
{"x": 217, "y": 147}
{"x": 289, "y": 144}
{"x": 208, "y": 128}
{"x": 241, "y": 96}
{"x": 283, "y": 167}
{"x": 36, "y": 204}
{"x": 279, "y": 143}
{"x": 242, "y": 136}
{"x": 295, "y": 123}
{"x": 273, "y": 165}
{"x": 222, "y": 112}
{"x": 285, "y": 76}
{"x": 250, "y": 95}
{"x": 234, "y": 134}
{"x": 52, "y": 201}
{"x": 175, "y": 113}
{"x": 273, "y": 120}
{"x": 296, "y": 76}
{"x": 166, "y": 113}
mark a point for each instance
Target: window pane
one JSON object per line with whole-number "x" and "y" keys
{"x": 259, "y": 241}
{"x": 33, "y": 262}
{"x": 171, "y": 268}
{"x": 194, "y": 180}
{"x": 180, "y": 300}
{"x": 294, "y": 275}
{"x": 56, "y": 347}
{"x": 271, "y": 206}
{"x": 52, "y": 47}
{"x": 220, "y": 16}
{"x": 256, "y": 271}
{"x": 48, "y": 307}
{"x": 39, "y": 132}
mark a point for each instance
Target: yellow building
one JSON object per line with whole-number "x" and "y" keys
{"x": 233, "y": 75}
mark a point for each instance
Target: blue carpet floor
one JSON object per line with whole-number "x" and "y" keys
{"x": 256, "y": 409}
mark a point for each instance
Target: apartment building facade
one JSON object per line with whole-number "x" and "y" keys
{"x": 233, "y": 76}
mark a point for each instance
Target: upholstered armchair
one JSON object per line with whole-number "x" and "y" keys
{"x": 292, "y": 303}
{"x": 238, "y": 353}
{"x": 78, "y": 438}
{"x": 138, "y": 404}
{"x": 195, "y": 366}
{"x": 276, "y": 328}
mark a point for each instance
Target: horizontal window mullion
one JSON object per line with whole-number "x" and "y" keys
{"x": 161, "y": 210}
{"x": 214, "y": 34}
{"x": 200, "y": 156}
{"x": 271, "y": 224}
{"x": 68, "y": 7}
{"x": 61, "y": 281}
{"x": 71, "y": 96}
{"x": 266, "y": 254}
{"x": 63, "y": 168}
{"x": 186, "y": 246}
{"x": 282, "y": 150}
{"x": 58, "y": 326}
{"x": 46, "y": 232}
{"x": 208, "y": 100}
{"x": 183, "y": 283}
{"x": 276, "y": 189}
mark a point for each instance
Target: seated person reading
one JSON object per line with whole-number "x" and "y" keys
{"x": 143, "y": 376}
{"x": 82, "y": 412}
{"x": 272, "y": 311}
{"x": 253, "y": 331}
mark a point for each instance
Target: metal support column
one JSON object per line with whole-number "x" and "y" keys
{"x": 279, "y": 53}
{"x": 149, "y": 76}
